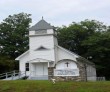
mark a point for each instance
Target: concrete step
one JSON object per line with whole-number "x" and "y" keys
{"x": 39, "y": 78}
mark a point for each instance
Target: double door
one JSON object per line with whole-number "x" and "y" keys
{"x": 41, "y": 69}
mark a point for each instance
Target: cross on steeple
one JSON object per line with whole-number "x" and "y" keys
{"x": 67, "y": 63}
{"x": 42, "y": 17}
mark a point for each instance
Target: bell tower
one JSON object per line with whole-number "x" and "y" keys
{"x": 42, "y": 41}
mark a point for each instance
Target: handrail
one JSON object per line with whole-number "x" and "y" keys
{"x": 5, "y": 73}
{"x": 12, "y": 74}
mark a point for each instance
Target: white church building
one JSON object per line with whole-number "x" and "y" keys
{"x": 45, "y": 59}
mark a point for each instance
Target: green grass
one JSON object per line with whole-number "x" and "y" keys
{"x": 47, "y": 86}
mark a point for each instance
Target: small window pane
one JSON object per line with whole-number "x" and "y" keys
{"x": 27, "y": 66}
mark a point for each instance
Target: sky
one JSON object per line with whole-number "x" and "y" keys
{"x": 58, "y": 12}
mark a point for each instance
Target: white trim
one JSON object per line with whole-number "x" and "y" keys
{"x": 39, "y": 60}
{"x": 18, "y": 58}
{"x": 40, "y": 35}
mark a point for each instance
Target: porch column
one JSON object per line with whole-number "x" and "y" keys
{"x": 50, "y": 72}
{"x": 48, "y": 64}
{"x": 30, "y": 69}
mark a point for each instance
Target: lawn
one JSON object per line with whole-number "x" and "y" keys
{"x": 47, "y": 86}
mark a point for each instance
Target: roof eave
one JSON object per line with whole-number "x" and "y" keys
{"x": 18, "y": 58}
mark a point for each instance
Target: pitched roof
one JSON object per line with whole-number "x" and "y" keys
{"x": 25, "y": 53}
{"x": 42, "y": 24}
{"x": 78, "y": 57}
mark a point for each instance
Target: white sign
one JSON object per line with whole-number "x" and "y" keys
{"x": 66, "y": 72}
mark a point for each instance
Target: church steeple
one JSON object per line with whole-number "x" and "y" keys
{"x": 41, "y": 25}
{"x": 42, "y": 38}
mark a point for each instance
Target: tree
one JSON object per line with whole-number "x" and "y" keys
{"x": 14, "y": 34}
{"x": 6, "y": 64}
{"x": 72, "y": 37}
{"x": 99, "y": 49}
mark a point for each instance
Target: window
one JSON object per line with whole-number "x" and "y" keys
{"x": 40, "y": 31}
{"x": 27, "y": 66}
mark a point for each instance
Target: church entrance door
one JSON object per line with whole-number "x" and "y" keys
{"x": 41, "y": 70}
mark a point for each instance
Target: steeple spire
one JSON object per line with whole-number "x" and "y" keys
{"x": 41, "y": 25}
{"x": 42, "y": 17}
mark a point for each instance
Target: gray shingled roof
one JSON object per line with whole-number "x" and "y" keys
{"x": 42, "y": 24}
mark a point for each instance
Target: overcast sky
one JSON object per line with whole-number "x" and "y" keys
{"x": 58, "y": 12}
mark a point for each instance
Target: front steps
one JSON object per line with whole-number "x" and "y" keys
{"x": 44, "y": 77}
